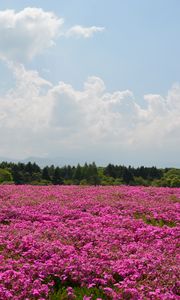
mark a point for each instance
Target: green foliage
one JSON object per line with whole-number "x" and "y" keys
{"x": 172, "y": 172}
{"x": 127, "y": 176}
{"x": 60, "y": 290}
{"x": 118, "y": 181}
{"x": 83, "y": 182}
{"x": 7, "y": 182}
{"x": 175, "y": 181}
{"x": 79, "y": 292}
{"x": 171, "y": 178}
{"x": 45, "y": 174}
{"x": 41, "y": 182}
{"x": 36, "y": 176}
{"x": 57, "y": 179}
{"x": 77, "y": 173}
{"x": 154, "y": 222}
{"x": 156, "y": 182}
{"x": 5, "y": 176}
{"x": 107, "y": 180}
{"x": 68, "y": 181}
{"x": 141, "y": 181}
{"x": 88, "y": 174}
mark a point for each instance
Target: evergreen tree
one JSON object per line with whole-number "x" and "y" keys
{"x": 57, "y": 179}
{"x": 51, "y": 170}
{"x": 127, "y": 176}
{"x": 110, "y": 171}
{"x": 17, "y": 174}
{"x": 45, "y": 174}
{"x": 36, "y": 168}
{"x": 29, "y": 168}
{"x": 92, "y": 174}
{"x": 77, "y": 173}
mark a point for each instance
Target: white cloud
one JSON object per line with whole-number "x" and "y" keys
{"x": 38, "y": 117}
{"x": 60, "y": 119}
{"x": 25, "y": 106}
{"x": 27, "y": 33}
{"x": 86, "y": 32}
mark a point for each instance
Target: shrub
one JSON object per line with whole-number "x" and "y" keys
{"x": 5, "y": 176}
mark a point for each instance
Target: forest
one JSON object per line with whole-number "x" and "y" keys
{"x": 87, "y": 174}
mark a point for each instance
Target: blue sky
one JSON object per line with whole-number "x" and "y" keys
{"x": 128, "y": 109}
{"x": 139, "y": 49}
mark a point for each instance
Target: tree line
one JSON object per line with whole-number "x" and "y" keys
{"x": 87, "y": 174}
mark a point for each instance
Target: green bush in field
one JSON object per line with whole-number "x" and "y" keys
{"x": 79, "y": 293}
{"x": 5, "y": 176}
{"x": 60, "y": 290}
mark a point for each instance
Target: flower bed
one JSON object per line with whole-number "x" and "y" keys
{"x": 70, "y": 242}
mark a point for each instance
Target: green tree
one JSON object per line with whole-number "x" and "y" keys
{"x": 5, "y": 176}
{"x": 17, "y": 173}
{"x": 127, "y": 176}
{"x": 77, "y": 176}
{"x": 45, "y": 173}
{"x": 175, "y": 181}
{"x": 29, "y": 168}
{"x": 110, "y": 171}
{"x": 57, "y": 179}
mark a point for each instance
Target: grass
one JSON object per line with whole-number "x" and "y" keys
{"x": 60, "y": 290}
{"x": 154, "y": 222}
{"x": 79, "y": 292}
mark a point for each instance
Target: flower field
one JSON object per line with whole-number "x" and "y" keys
{"x": 72, "y": 242}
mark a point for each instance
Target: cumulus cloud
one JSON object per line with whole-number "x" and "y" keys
{"x": 38, "y": 117}
{"x": 26, "y": 105}
{"x": 91, "y": 112}
{"x": 86, "y": 32}
{"x": 67, "y": 119}
{"x": 27, "y": 33}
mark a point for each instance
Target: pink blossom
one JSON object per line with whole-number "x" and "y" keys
{"x": 121, "y": 240}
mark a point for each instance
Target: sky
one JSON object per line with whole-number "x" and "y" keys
{"x": 88, "y": 80}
